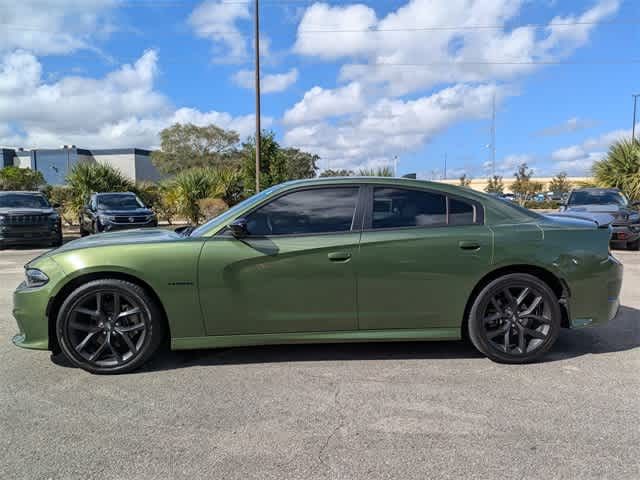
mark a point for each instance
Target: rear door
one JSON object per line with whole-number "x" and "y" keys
{"x": 293, "y": 273}
{"x": 421, "y": 254}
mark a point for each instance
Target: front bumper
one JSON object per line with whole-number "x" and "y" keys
{"x": 113, "y": 226}
{"x": 30, "y": 308}
{"x": 28, "y": 234}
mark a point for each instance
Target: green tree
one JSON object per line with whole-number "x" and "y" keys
{"x": 524, "y": 188}
{"x": 190, "y": 187}
{"x": 277, "y": 164}
{"x": 15, "y": 178}
{"x": 559, "y": 184}
{"x": 495, "y": 185}
{"x": 229, "y": 185}
{"x": 336, "y": 173}
{"x": 620, "y": 168}
{"x": 376, "y": 172}
{"x": 464, "y": 180}
{"x": 184, "y": 146}
{"x": 86, "y": 178}
{"x": 300, "y": 164}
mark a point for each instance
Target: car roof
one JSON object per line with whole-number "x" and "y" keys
{"x": 20, "y": 192}
{"x": 596, "y": 189}
{"x": 114, "y": 193}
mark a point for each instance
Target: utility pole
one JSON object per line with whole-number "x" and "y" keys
{"x": 633, "y": 128}
{"x": 445, "y": 166}
{"x": 257, "y": 68}
{"x": 395, "y": 165}
{"x": 493, "y": 136}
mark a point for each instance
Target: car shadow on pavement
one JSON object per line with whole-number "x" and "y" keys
{"x": 621, "y": 334}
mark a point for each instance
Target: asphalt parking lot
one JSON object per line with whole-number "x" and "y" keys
{"x": 402, "y": 410}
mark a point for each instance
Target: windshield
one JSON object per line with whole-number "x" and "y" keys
{"x": 23, "y": 201}
{"x": 228, "y": 214}
{"x": 597, "y": 198}
{"x": 119, "y": 202}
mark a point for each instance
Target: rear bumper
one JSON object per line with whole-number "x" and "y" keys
{"x": 625, "y": 233}
{"x": 595, "y": 299}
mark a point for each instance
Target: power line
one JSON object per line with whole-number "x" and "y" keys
{"x": 14, "y": 26}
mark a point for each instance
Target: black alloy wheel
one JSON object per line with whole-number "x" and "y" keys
{"x": 515, "y": 319}
{"x": 109, "y": 326}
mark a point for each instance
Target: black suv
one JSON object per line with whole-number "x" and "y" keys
{"x": 27, "y": 218}
{"x": 107, "y": 212}
{"x": 626, "y": 223}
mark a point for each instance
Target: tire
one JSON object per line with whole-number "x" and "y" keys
{"x": 58, "y": 241}
{"x": 499, "y": 317}
{"x": 83, "y": 232}
{"x": 92, "y": 338}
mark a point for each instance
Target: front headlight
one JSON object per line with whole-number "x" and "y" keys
{"x": 106, "y": 218}
{"x": 35, "y": 277}
{"x": 54, "y": 217}
{"x": 2, "y": 219}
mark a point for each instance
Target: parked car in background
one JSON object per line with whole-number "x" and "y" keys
{"x": 27, "y": 218}
{"x": 626, "y": 218}
{"x": 432, "y": 262}
{"x": 107, "y": 212}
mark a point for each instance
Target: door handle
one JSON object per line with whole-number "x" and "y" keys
{"x": 469, "y": 245}
{"x": 339, "y": 256}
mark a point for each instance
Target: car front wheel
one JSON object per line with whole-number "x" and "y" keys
{"x": 109, "y": 326}
{"x": 515, "y": 319}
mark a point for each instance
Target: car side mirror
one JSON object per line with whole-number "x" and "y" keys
{"x": 238, "y": 228}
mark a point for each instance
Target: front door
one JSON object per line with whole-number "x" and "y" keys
{"x": 294, "y": 272}
{"x": 420, "y": 256}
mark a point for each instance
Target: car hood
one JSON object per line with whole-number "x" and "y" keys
{"x": 125, "y": 237}
{"x": 26, "y": 211}
{"x": 127, "y": 212}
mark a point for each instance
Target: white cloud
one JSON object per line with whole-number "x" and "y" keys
{"x": 269, "y": 83}
{"x": 578, "y": 159}
{"x": 319, "y": 103}
{"x": 58, "y": 27}
{"x": 507, "y": 166}
{"x": 217, "y": 21}
{"x": 463, "y": 54}
{"x": 571, "y": 125}
{"x": 120, "y": 109}
{"x": 373, "y": 136}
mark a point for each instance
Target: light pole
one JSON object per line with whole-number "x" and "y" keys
{"x": 257, "y": 72}
{"x": 633, "y": 128}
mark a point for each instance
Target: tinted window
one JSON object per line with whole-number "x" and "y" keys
{"x": 394, "y": 208}
{"x": 318, "y": 210}
{"x": 460, "y": 213}
{"x": 119, "y": 202}
{"x": 597, "y": 198}
{"x": 21, "y": 200}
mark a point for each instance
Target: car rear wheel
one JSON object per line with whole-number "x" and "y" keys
{"x": 109, "y": 326}
{"x": 515, "y": 319}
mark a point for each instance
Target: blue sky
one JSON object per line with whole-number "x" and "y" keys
{"x": 356, "y": 82}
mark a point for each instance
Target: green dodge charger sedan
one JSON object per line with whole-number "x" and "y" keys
{"x": 325, "y": 260}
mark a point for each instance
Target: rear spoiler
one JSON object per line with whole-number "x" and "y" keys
{"x": 602, "y": 220}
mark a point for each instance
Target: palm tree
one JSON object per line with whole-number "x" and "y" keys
{"x": 376, "y": 172}
{"x": 620, "y": 168}
{"x": 86, "y": 178}
{"x": 191, "y": 186}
